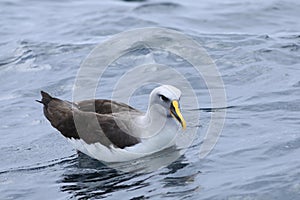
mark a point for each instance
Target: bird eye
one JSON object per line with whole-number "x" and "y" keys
{"x": 163, "y": 98}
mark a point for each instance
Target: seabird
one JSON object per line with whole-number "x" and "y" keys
{"x": 111, "y": 131}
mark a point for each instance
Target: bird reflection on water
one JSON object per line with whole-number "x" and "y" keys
{"x": 90, "y": 178}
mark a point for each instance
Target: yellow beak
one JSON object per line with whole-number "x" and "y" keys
{"x": 175, "y": 112}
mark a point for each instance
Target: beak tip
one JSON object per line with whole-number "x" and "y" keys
{"x": 184, "y": 126}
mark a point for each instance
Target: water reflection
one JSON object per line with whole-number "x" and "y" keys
{"x": 89, "y": 178}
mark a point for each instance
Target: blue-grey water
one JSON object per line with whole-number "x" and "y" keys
{"x": 255, "y": 45}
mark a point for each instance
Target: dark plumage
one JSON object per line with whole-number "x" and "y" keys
{"x": 104, "y": 129}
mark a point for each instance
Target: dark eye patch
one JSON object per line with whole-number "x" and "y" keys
{"x": 162, "y": 97}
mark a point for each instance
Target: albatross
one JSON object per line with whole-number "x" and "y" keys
{"x": 111, "y": 131}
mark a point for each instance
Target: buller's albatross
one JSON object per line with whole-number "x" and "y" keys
{"x": 110, "y": 131}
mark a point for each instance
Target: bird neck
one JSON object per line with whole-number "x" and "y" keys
{"x": 156, "y": 129}
{"x": 153, "y": 121}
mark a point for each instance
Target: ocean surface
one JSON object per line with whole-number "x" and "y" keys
{"x": 256, "y": 48}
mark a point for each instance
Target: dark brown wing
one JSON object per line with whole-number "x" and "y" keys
{"x": 82, "y": 124}
{"x": 103, "y": 106}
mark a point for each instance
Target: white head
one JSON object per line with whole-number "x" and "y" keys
{"x": 168, "y": 97}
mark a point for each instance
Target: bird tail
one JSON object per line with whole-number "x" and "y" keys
{"x": 46, "y": 98}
